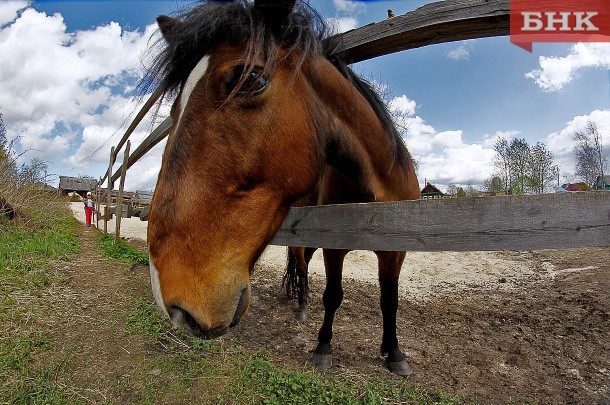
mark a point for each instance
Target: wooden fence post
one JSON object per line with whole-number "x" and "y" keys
{"x": 98, "y": 195}
{"x": 119, "y": 203}
{"x": 108, "y": 190}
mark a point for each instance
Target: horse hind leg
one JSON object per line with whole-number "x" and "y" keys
{"x": 295, "y": 279}
{"x": 303, "y": 258}
{"x": 389, "y": 271}
{"x": 332, "y": 297}
{"x": 289, "y": 281}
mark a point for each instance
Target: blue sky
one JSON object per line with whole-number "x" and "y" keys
{"x": 69, "y": 67}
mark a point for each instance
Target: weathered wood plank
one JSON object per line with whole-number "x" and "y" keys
{"x": 108, "y": 189}
{"x": 143, "y": 111}
{"x": 117, "y": 230}
{"x": 147, "y": 144}
{"x": 433, "y": 23}
{"x": 565, "y": 220}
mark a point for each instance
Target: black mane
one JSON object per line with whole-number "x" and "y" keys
{"x": 212, "y": 22}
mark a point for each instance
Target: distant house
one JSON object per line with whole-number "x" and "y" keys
{"x": 576, "y": 187}
{"x": 602, "y": 182}
{"x": 430, "y": 192}
{"x": 78, "y": 185}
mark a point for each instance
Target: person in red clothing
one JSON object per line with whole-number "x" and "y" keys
{"x": 88, "y": 209}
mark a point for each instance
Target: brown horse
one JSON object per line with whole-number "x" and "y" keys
{"x": 263, "y": 118}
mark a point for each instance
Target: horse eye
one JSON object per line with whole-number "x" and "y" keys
{"x": 254, "y": 83}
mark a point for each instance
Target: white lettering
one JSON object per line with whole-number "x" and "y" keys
{"x": 563, "y": 20}
{"x": 585, "y": 18}
{"x": 532, "y": 21}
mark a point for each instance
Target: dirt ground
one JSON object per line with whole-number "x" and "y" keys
{"x": 492, "y": 327}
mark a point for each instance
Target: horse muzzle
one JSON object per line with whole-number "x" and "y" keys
{"x": 183, "y": 319}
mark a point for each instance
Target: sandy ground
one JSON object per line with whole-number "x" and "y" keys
{"x": 424, "y": 275}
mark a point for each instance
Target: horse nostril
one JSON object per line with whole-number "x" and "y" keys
{"x": 181, "y": 318}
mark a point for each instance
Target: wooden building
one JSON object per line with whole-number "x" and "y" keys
{"x": 78, "y": 185}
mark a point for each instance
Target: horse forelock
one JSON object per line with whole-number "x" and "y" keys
{"x": 210, "y": 24}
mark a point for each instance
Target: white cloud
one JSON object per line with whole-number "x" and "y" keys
{"x": 402, "y": 105}
{"x": 341, "y": 24}
{"x": 459, "y": 53}
{"x": 561, "y": 143}
{"x": 463, "y": 51}
{"x": 63, "y": 94}
{"x": 9, "y": 9}
{"x": 556, "y": 72}
{"x": 349, "y": 7}
{"x": 443, "y": 156}
{"x": 346, "y": 12}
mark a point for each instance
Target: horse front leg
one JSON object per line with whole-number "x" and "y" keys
{"x": 332, "y": 297}
{"x": 389, "y": 271}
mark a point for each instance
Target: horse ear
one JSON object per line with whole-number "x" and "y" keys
{"x": 168, "y": 26}
{"x": 274, "y": 12}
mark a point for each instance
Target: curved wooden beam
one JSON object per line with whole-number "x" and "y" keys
{"x": 433, "y": 23}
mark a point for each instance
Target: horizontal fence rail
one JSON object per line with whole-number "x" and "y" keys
{"x": 549, "y": 221}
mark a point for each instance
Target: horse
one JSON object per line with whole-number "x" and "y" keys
{"x": 264, "y": 116}
{"x": 296, "y": 281}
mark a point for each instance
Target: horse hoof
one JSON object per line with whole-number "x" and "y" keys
{"x": 301, "y": 315}
{"x": 308, "y": 295}
{"x": 400, "y": 368}
{"x": 322, "y": 361}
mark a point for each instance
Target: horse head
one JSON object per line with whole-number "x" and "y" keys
{"x": 260, "y": 114}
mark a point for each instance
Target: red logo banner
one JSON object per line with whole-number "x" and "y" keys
{"x": 559, "y": 21}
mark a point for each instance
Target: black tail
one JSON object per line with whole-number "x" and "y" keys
{"x": 290, "y": 281}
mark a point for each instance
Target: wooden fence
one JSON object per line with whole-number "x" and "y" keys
{"x": 493, "y": 223}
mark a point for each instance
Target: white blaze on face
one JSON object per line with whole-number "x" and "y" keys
{"x": 196, "y": 75}
{"x": 191, "y": 82}
{"x": 156, "y": 287}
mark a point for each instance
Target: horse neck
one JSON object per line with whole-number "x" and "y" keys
{"x": 356, "y": 141}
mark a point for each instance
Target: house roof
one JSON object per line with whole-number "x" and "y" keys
{"x": 577, "y": 187}
{"x": 430, "y": 189}
{"x": 76, "y": 183}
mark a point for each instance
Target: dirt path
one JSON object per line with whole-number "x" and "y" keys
{"x": 542, "y": 336}
{"x": 95, "y": 347}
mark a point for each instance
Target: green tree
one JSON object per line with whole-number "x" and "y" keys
{"x": 542, "y": 168}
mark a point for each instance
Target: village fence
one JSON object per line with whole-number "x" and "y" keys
{"x": 566, "y": 220}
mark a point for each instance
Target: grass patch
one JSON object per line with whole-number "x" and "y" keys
{"x": 120, "y": 250}
{"x": 31, "y": 250}
{"x": 187, "y": 369}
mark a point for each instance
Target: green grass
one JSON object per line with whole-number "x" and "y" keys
{"x": 176, "y": 369}
{"x": 225, "y": 373}
{"x": 30, "y": 252}
{"x": 120, "y": 250}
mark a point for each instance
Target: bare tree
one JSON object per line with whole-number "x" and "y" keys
{"x": 470, "y": 190}
{"x": 502, "y": 163}
{"x": 589, "y": 152}
{"x": 452, "y": 189}
{"x": 556, "y": 173}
